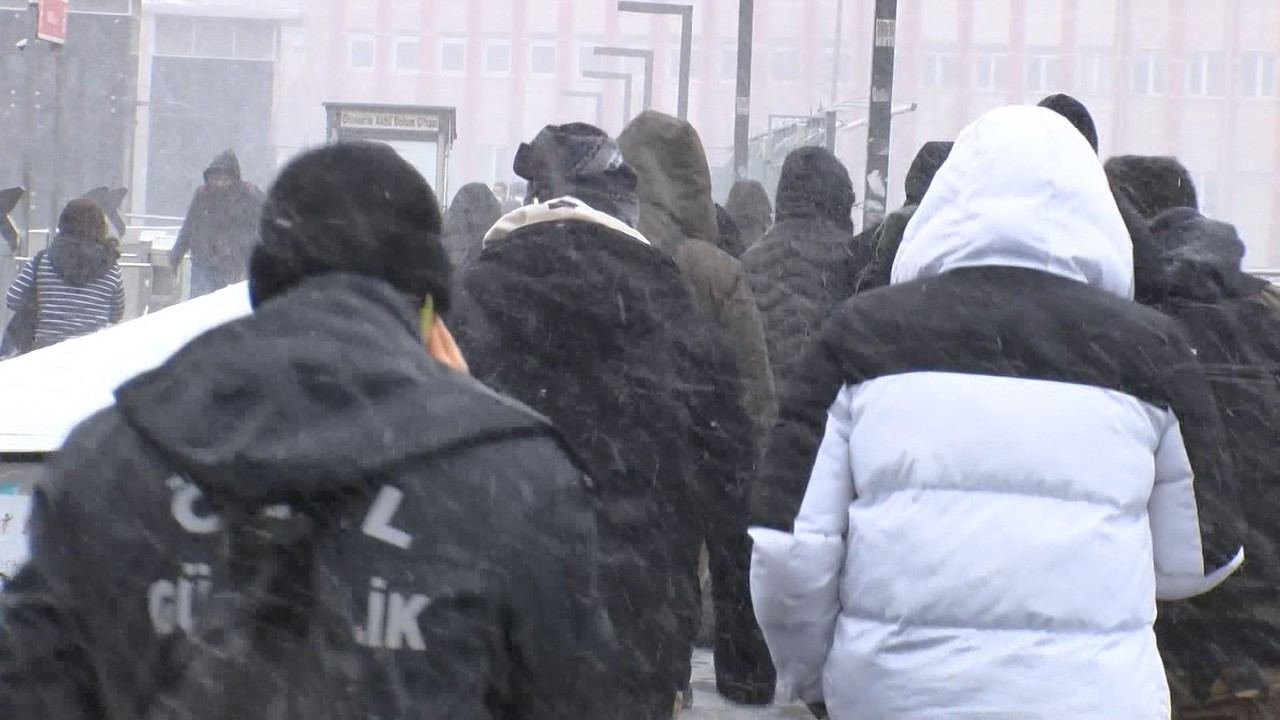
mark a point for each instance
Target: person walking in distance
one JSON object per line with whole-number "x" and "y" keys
{"x": 221, "y": 227}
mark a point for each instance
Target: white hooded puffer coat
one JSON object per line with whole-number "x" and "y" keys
{"x": 991, "y": 544}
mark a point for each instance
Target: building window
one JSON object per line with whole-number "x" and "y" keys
{"x": 1042, "y": 72}
{"x": 542, "y": 59}
{"x": 729, "y": 61}
{"x": 497, "y": 58}
{"x": 988, "y": 71}
{"x": 588, "y": 59}
{"x": 1094, "y": 71}
{"x": 360, "y": 52}
{"x": 240, "y": 39}
{"x": 845, "y": 70}
{"x": 405, "y": 54}
{"x": 1258, "y": 75}
{"x": 453, "y": 56}
{"x": 1204, "y": 74}
{"x": 1148, "y": 73}
{"x": 785, "y": 63}
{"x": 939, "y": 69}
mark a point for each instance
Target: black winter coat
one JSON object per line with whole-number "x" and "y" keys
{"x": 1237, "y": 341}
{"x": 596, "y": 329}
{"x": 221, "y": 226}
{"x": 799, "y": 272}
{"x": 457, "y": 535}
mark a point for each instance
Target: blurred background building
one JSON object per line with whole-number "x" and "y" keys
{"x": 1189, "y": 78}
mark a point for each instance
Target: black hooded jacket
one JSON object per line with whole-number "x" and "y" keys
{"x": 596, "y": 329}
{"x": 474, "y": 210}
{"x": 799, "y": 272}
{"x": 456, "y": 541}
{"x": 221, "y": 224}
{"x": 1237, "y": 341}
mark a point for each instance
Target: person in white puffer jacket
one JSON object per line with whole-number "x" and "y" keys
{"x": 993, "y": 468}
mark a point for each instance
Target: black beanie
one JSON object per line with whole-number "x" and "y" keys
{"x": 1076, "y": 113}
{"x": 354, "y": 207}
{"x": 927, "y": 163}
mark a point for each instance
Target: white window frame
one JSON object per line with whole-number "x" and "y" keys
{"x": 939, "y": 69}
{"x": 396, "y": 45}
{"x": 1254, "y": 70}
{"x": 1095, "y": 71}
{"x": 489, "y": 46}
{"x": 453, "y": 42}
{"x": 1152, "y": 67}
{"x": 989, "y": 69}
{"x": 369, "y": 38}
{"x": 1204, "y": 73}
{"x": 555, "y": 58}
{"x": 1042, "y": 72}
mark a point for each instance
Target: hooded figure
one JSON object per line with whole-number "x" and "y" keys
{"x": 799, "y": 272}
{"x": 749, "y": 206}
{"x": 877, "y": 250}
{"x": 221, "y": 227}
{"x": 1232, "y": 634}
{"x": 324, "y": 519}
{"x": 1152, "y": 184}
{"x": 77, "y": 281}
{"x": 728, "y": 236}
{"x": 573, "y": 311}
{"x": 677, "y": 215}
{"x": 474, "y": 210}
{"x": 1005, "y": 484}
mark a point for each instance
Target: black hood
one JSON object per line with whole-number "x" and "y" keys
{"x": 224, "y": 162}
{"x": 815, "y": 184}
{"x": 321, "y": 389}
{"x": 927, "y": 163}
{"x": 80, "y": 262}
{"x": 473, "y": 211}
{"x": 1200, "y": 258}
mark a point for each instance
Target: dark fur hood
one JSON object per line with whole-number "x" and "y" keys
{"x": 80, "y": 262}
{"x": 1200, "y": 258}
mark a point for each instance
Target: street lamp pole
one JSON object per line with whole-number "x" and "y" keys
{"x": 880, "y": 114}
{"x": 646, "y": 55}
{"x": 742, "y": 97}
{"x": 686, "y": 42}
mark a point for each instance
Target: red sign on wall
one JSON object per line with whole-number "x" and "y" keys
{"x": 52, "y": 25}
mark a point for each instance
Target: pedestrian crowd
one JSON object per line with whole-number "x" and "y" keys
{"x": 1006, "y": 453}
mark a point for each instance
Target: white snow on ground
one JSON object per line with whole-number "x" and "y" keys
{"x": 48, "y": 392}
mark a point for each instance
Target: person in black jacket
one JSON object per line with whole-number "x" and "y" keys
{"x": 749, "y": 207}
{"x": 799, "y": 271}
{"x": 220, "y": 228}
{"x": 304, "y": 514}
{"x": 474, "y": 210}
{"x": 571, "y": 310}
{"x": 875, "y": 249}
{"x": 1234, "y": 633}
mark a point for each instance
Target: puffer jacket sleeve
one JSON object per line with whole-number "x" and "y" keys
{"x": 1197, "y": 526}
{"x": 795, "y": 577}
